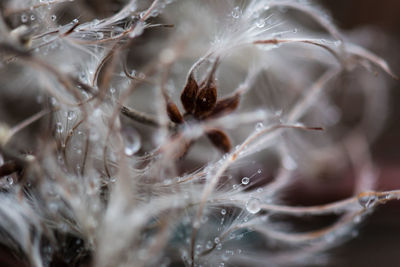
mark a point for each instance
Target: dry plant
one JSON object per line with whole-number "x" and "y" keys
{"x": 114, "y": 167}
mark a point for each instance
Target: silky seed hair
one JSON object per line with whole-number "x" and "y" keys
{"x": 162, "y": 133}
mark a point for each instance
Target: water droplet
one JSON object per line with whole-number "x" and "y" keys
{"x": 259, "y": 171}
{"x": 33, "y": 17}
{"x": 116, "y": 31}
{"x": 357, "y": 219}
{"x": 223, "y": 211}
{"x": 245, "y": 180}
{"x": 235, "y": 186}
{"x": 71, "y": 115}
{"x": 209, "y": 244}
{"x": 264, "y": 218}
{"x": 24, "y": 18}
{"x": 337, "y": 43}
{"x": 132, "y": 141}
{"x": 198, "y": 248}
{"x": 53, "y": 17}
{"x": 217, "y": 240}
{"x": 260, "y": 23}
{"x": 278, "y": 113}
{"x": 10, "y": 180}
{"x": 253, "y": 205}
{"x": 224, "y": 257}
{"x": 289, "y": 163}
{"x": 236, "y": 12}
{"x": 99, "y": 35}
{"x": 53, "y": 207}
{"x": 367, "y": 201}
{"x": 259, "y": 126}
{"x": 59, "y": 127}
{"x": 138, "y": 30}
{"x": 53, "y": 102}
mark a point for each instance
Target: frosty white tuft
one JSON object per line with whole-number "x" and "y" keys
{"x": 168, "y": 132}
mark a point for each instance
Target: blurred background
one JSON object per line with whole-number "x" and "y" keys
{"x": 378, "y": 240}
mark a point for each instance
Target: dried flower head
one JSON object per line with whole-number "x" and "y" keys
{"x": 97, "y": 175}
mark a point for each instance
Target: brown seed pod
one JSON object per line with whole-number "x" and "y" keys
{"x": 174, "y": 113}
{"x": 206, "y": 100}
{"x": 220, "y": 139}
{"x": 189, "y": 94}
{"x": 225, "y": 106}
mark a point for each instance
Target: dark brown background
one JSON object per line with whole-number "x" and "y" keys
{"x": 378, "y": 242}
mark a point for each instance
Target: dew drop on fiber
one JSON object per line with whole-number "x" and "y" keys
{"x": 132, "y": 141}
{"x": 236, "y": 12}
{"x": 59, "y": 127}
{"x": 245, "y": 180}
{"x": 260, "y": 23}
{"x": 253, "y": 205}
{"x": 199, "y": 247}
{"x": 259, "y": 126}
{"x": 289, "y": 163}
{"x": 10, "y": 180}
{"x": 100, "y": 35}
{"x": 209, "y": 244}
{"x": 367, "y": 201}
{"x": 71, "y": 115}
{"x": 24, "y": 18}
